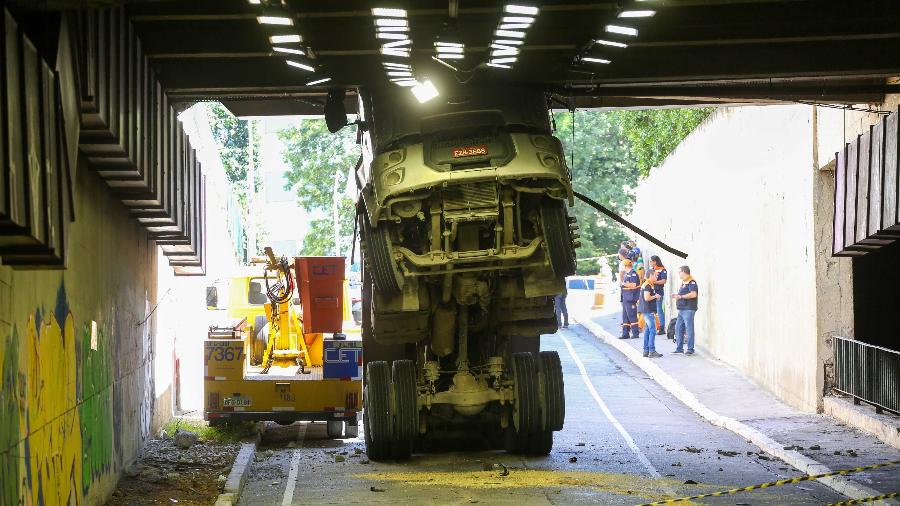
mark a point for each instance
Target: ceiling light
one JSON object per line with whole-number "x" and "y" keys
{"x": 504, "y": 52}
{"x": 594, "y": 60}
{"x": 517, "y": 19}
{"x": 451, "y": 56}
{"x": 393, "y": 65}
{"x": 495, "y": 45}
{"x": 393, "y": 29}
{"x": 448, "y": 44}
{"x": 391, "y": 36}
{"x": 405, "y": 82}
{"x": 511, "y": 59}
{"x": 498, "y": 65}
{"x": 254, "y": 2}
{"x": 514, "y": 26}
{"x": 285, "y": 39}
{"x": 399, "y": 73}
{"x": 275, "y": 20}
{"x": 637, "y": 14}
{"x": 508, "y": 42}
{"x": 393, "y": 51}
{"x": 397, "y": 43}
{"x": 521, "y": 9}
{"x": 289, "y": 50}
{"x": 318, "y": 81}
{"x": 507, "y": 33}
{"x": 622, "y": 30}
{"x": 389, "y": 13}
{"x": 445, "y": 49}
{"x": 610, "y": 43}
{"x": 390, "y": 22}
{"x": 424, "y": 91}
{"x": 299, "y": 65}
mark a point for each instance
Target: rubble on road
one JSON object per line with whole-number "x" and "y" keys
{"x": 184, "y": 438}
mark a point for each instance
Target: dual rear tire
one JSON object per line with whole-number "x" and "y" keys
{"x": 539, "y": 408}
{"x": 391, "y": 415}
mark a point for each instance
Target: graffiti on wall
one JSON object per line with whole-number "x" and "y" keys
{"x": 56, "y": 410}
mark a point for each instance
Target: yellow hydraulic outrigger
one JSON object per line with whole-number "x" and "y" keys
{"x": 287, "y": 345}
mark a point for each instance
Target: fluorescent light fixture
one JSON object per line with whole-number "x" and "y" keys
{"x": 253, "y": 2}
{"x": 299, "y": 65}
{"x": 390, "y": 22}
{"x": 444, "y": 49}
{"x": 501, "y": 47}
{"x": 275, "y": 20}
{"x": 498, "y": 65}
{"x": 393, "y": 29}
{"x": 285, "y": 39}
{"x": 389, "y": 13}
{"x": 511, "y": 59}
{"x": 424, "y": 91}
{"x": 590, "y": 59}
{"x": 521, "y": 9}
{"x": 508, "y": 42}
{"x": 637, "y": 14}
{"x": 610, "y": 43}
{"x": 391, "y": 36}
{"x": 405, "y": 82}
{"x": 508, "y": 33}
{"x": 514, "y": 26}
{"x": 504, "y": 52}
{"x": 622, "y": 30}
{"x": 399, "y": 73}
{"x": 448, "y": 44}
{"x": 398, "y": 52}
{"x": 288, "y": 50}
{"x": 517, "y": 19}
{"x": 392, "y": 65}
{"x": 451, "y": 56}
{"x": 397, "y": 43}
{"x": 318, "y": 81}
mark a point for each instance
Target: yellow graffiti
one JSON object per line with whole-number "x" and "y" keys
{"x": 49, "y": 452}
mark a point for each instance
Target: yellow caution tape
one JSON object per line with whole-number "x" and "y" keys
{"x": 788, "y": 481}
{"x": 866, "y": 499}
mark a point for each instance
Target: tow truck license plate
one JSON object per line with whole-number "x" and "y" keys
{"x": 480, "y": 150}
{"x": 236, "y": 401}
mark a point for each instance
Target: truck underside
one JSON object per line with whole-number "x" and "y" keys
{"x": 466, "y": 240}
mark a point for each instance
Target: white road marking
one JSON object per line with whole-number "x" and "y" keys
{"x": 288, "y": 498}
{"x": 609, "y": 416}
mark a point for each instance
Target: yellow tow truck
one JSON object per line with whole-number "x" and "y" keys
{"x": 284, "y": 356}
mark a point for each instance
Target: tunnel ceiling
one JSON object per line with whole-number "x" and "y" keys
{"x": 689, "y": 52}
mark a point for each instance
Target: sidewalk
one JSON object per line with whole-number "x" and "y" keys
{"x": 811, "y": 443}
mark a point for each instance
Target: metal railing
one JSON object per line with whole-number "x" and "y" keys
{"x": 867, "y": 373}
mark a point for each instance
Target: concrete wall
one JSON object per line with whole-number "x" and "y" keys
{"x": 744, "y": 196}
{"x": 76, "y": 353}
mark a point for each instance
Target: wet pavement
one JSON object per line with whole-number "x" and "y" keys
{"x": 625, "y": 441}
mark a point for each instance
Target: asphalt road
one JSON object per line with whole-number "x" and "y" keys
{"x": 625, "y": 441}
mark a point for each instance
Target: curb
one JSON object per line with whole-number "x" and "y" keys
{"x": 238, "y": 475}
{"x": 794, "y": 458}
{"x": 863, "y": 418}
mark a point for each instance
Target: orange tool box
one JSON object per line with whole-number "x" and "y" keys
{"x": 321, "y": 284}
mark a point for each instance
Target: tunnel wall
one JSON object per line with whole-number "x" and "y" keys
{"x": 76, "y": 356}
{"x": 745, "y": 197}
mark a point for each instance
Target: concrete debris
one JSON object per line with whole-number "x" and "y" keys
{"x": 364, "y": 461}
{"x": 579, "y": 444}
{"x": 691, "y": 449}
{"x": 690, "y": 482}
{"x": 573, "y": 459}
{"x": 726, "y": 453}
{"x": 815, "y": 447}
{"x": 794, "y": 447}
{"x": 375, "y": 489}
{"x": 269, "y": 453}
{"x": 185, "y": 439}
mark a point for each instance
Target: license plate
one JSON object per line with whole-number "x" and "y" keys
{"x": 480, "y": 150}
{"x": 236, "y": 401}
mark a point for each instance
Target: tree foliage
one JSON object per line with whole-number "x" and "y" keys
{"x": 654, "y": 133}
{"x": 319, "y": 162}
{"x": 233, "y": 137}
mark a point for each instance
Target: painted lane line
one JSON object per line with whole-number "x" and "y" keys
{"x": 288, "y": 498}
{"x": 609, "y": 416}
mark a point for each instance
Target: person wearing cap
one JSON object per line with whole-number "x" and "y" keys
{"x": 686, "y": 303}
{"x": 630, "y": 286}
{"x": 624, "y": 252}
{"x": 662, "y": 276}
{"x": 647, "y": 308}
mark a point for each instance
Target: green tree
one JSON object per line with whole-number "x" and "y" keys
{"x": 233, "y": 137}
{"x": 654, "y": 133}
{"x": 603, "y": 168}
{"x": 319, "y": 164}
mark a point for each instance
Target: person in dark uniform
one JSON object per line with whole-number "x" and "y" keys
{"x": 630, "y": 287}
{"x": 647, "y": 308}
{"x": 686, "y": 303}
{"x": 662, "y": 276}
{"x": 562, "y": 312}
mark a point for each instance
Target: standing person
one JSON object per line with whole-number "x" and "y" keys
{"x": 647, "y": 307}
{"x": 637, "y": 257}
{"x": 686, "y": 303}
{"x": 630, "y": 287}
{"x": 662, "y": 276}
{"x": 624, "y": 254}
{"x": 562, "y": 312}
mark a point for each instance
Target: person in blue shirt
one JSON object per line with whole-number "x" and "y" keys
{"x": 630, "y": 288}
{"x": 662, "y": 276}
{"x": 686, "y": 303}
{"x": 647, "y": 308}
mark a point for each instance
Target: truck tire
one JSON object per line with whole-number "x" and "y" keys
{"x": 526, "y": 411}
{"x": 259, "y": 340}
{"x": 334, "y": 428}
{"x": 560, "y": 247}
{"x": 553, "y": 394}
{"x": 379, "y": 419}
{"x": 379, "y": 258}
{"x": 406, "y": 422}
